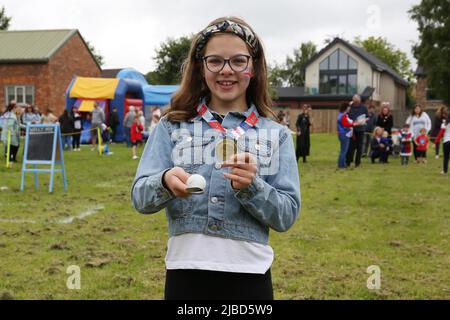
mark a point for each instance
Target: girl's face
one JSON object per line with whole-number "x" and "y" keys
{"x": 227, "y": 86}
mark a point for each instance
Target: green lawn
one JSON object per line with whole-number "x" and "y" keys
{"x": 386, "y": 215}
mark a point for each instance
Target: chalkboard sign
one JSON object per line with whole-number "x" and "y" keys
{"x": 40, "y": 144}
{"x": 43, "y": 147}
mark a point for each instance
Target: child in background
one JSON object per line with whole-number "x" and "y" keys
{"x": 445, "y": 132}
{"x": 106, "y": 134}
{"x": 136, "y": 135}
{"x": 405, "y": 137}
{"x": 386, "y": 140}
{"x": 421, "y": 142}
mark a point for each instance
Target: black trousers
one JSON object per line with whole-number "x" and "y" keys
{"x": 446, "y": 155}
{"x": 356, "y": 144}
{"x": 76, "y": 141}
{"x": 12, "y": 152}
{"x": 214, "y": 285}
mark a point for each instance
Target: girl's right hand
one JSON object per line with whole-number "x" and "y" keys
{"x": 175, "y": 179}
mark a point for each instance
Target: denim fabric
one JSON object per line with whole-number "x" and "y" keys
{"x": 345, "y": 142}
{"x": 272, "y": 200}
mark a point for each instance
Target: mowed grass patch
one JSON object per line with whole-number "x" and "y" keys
{"x": 386, "y": 215}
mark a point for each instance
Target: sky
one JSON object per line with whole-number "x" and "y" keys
{"x": 127, "y": 33}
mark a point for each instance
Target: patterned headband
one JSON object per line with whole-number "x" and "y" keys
{"x": 227, "y": 26}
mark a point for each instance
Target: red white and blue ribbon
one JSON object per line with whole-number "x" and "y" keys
{"x": 237, "y": 132}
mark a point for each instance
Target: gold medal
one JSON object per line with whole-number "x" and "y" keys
{"x": 225, "y": 149}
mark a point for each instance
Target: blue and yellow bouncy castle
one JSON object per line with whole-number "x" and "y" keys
{"x": 109, "y": 93}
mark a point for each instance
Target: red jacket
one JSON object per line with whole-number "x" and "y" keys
{"x": 422, "y": 142}
{"x": 135, "y": 133}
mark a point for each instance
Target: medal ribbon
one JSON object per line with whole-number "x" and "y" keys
{"x": 237, "y": 132}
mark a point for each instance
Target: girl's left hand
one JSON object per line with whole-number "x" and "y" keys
{"x": 243, "y": 170}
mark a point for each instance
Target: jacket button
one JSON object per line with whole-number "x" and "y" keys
{"x": 189, "y": 139}
{"x": 218, "y": 165}
{"x": 214, "y": 199}
{"x": 257, "y": 147}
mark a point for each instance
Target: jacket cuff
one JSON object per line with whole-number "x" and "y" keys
{"x": 162, "y": 190}
{"x": 255, "y": 187}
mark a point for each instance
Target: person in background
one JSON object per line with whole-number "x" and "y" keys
{"x": 405, "y": 137}
{"x": 37, "y": 115}
{"x": 377, "y": 148}
{"x": 156, "y": 116}
{"x": 421, "y": 142}
{"x": 445, "y": 134}
{"x": 113, "y": 122}
{"x": 28, "y": 116}
{"x": 439, "y": 118}
{"x": 370, "y": 126}
{"x": 141, "y": 118}
{"x": 385, "y": 119}
{"x": 345, "y": 131}
{"x": 418, "y": 120}
{"x": 77, "y": 128}
{"x": 303, "y": 126}
{"x": 136, "y": 135}
{"x": 66, "y": 125}
{"x": 98, "y": 118}
{"x": 386, "y": 140}
{"x": 127, "y": 123}
{"x": 10, "y": 122}
{"x": 358, "y": 113}
{"x": 49, "y": 118}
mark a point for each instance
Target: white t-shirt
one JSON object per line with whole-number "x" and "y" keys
{"x": 203, "y": 252}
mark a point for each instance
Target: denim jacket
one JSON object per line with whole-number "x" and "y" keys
{"x": 272, "y": 200}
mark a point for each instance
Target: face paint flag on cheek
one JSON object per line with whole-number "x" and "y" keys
{"x": 248, "y": 73}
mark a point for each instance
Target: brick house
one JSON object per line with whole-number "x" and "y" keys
{"x": 425, "y": 96}
{"x": 37, "y": 66}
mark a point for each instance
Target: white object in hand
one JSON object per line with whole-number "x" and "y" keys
{"x": 195, "y": 184}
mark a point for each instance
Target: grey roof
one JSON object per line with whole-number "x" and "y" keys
{"x": 34, "y": 46}
{"x": 368, "y": 57}
{"x": 420, "y": 72}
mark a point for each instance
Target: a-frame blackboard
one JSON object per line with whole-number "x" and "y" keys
{"x": 43, "y": 146}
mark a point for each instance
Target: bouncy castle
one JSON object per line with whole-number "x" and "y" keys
{"x": 109, "y": 93}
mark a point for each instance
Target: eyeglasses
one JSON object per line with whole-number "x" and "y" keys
{"x": 238, "y": 63}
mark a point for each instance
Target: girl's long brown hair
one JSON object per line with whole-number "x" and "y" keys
{"x": 193, "y": 86}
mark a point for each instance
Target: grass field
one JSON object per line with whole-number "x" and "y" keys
{"x": 386, "y": 215}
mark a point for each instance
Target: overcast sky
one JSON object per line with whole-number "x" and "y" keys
{"x": 127, "y": 33}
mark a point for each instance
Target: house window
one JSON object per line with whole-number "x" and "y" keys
{"x": 338, "y": 74}
{"x": 23, "y": 94}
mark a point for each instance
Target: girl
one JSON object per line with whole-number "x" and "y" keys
{"x": 303, "y": 125}
{"x": 445, "y": 132}
{"x": 418, "y": 120}
{"x": 385, "y": 119}
{"x": 136, "y": 135}
{"x": 217, "y": 126}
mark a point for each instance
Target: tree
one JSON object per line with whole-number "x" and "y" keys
{"x": 97, "y": 55}
{"x": 292, "y": 72}
{"x": 386, "y": 52}
{"x": 169, "y": 59}
{"x": 433, "y": 49}
{"x": 4, "y": 19}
